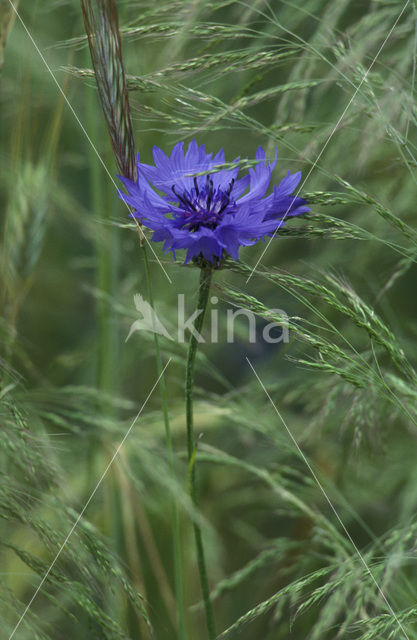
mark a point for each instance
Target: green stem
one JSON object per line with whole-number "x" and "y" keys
{"x": 204, "y": 291}
{"x": 179, "y": 589}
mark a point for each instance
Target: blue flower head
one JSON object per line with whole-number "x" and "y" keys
{"x": 196, "y": 205}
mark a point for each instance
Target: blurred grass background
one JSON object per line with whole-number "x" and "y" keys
{"x": 234, "y": 75}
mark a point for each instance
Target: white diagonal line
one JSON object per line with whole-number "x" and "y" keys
{"x": 80, "y": 515}
{"x": 333, "y": 508}
{"x": 329, "y": 138}
{"x": 74, "y": 113}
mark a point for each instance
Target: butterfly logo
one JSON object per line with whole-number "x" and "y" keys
{"x": 149, "y": 320}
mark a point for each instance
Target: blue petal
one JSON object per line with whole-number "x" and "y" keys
{"x": 260, "y": 177}
{"x": 288, "y": 184}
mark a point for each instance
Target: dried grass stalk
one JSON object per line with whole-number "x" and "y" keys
{"x": 102, "y": 28}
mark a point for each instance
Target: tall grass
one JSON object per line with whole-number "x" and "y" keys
{"x": 235, "y": 75}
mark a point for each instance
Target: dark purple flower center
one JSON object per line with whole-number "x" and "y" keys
{"x": 202, "y": 205}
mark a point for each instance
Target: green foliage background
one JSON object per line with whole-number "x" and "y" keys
{"x": 234, "y": 75}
